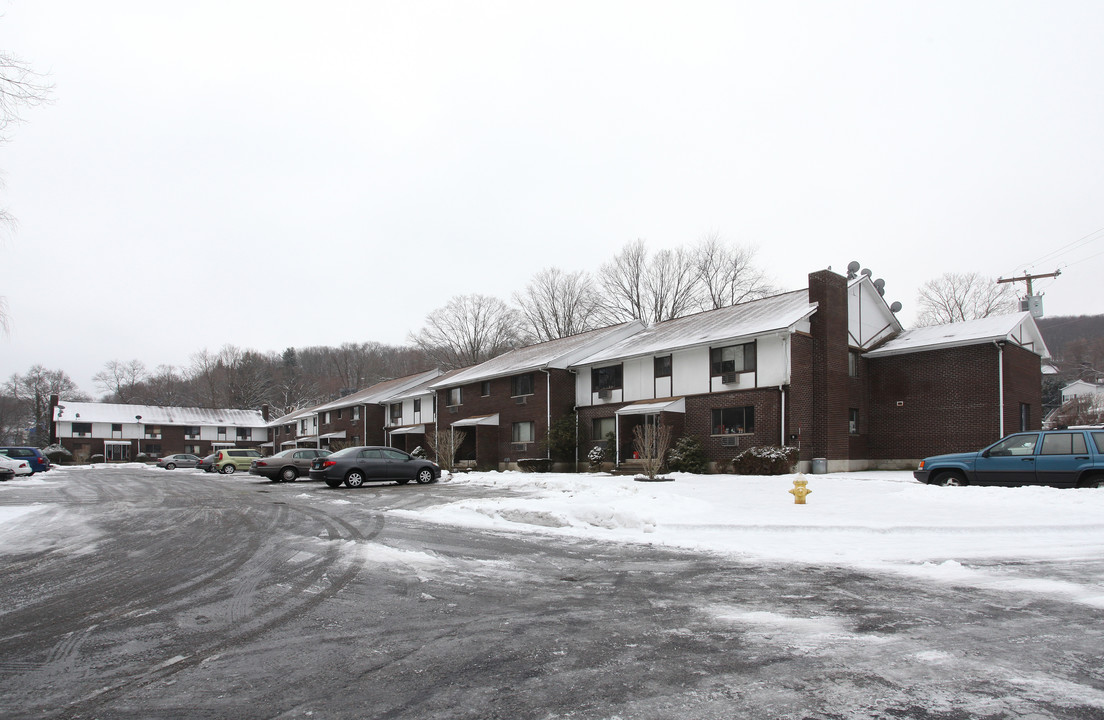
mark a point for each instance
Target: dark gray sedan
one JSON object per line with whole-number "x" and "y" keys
{"x": 286, "y": 466}
{"x": 355, "y": 466}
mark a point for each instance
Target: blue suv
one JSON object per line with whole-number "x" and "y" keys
{"x": 32, "y": 456}
{"x": 1062, "y": 458}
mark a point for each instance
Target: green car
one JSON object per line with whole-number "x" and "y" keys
{"x": 231, "y": 460}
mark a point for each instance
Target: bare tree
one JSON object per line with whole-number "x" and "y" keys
{"x": 119, "y": 380}
{"x": 651, "y": 443}
{"x": 34, "y": 389}
{"x": 20, "y": 88}
{"x": 728, "y": 275}
{"x": 957, "y": 297}
{"x": 623, "y": 281}
{"x": 559, "y": 304}
{"x": 444, "y": 442}
{"x": 165, "y": 386}
{"x": 469, "y": 330}
{"x": 672, "y": 285}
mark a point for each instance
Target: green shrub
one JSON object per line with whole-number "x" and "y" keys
{"x": 96, "y": 459}
{"x": 765, "y": 460}
{"x": 57, "y": 454}
{"x": 687, "y": 456}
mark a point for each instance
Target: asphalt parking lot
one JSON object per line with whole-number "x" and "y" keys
{"x": 134, "y": 594}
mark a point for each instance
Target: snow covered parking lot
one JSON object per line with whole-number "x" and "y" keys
{"x": 1013, "y": 539}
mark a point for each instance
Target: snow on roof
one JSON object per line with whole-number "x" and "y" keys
{"x": 706, "y": 328}
{"x": 378, "y": 392}
{"x": 425, "y": 387}
{"x": 560, "y": 353}
{"x": 156, "y": 415}
{"x": 1018, "y": 328}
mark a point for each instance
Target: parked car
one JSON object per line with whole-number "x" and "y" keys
{"x": 1062, "y": 458}
{"x": 181, "y": 460}
{"x": 207, "y": 464}
{"x": 33, "y": 456}
{"x": 17, "y": 466}
{"x": 355, "y": 466}
{"x": 232, "y": 459}
{"x": 287, "y": 465}
{"x": 6, "y": 473}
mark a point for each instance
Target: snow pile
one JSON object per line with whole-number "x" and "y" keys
{"x": 875, "y": 520}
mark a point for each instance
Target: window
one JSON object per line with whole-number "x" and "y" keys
{"x": 734, "y": 421}
{"x": 116, "y": 427}
{"x": 454, "y": 397}
{"x": 604, "y": 427}
{"x": 417, "y": 405}
{"x": 853, "y": 421}
{"x": 523, "y": 432}
{"x": 484, "y": 388}
{"x": 80, "y": 429}
{"x": 245, "y": 433}
{"x": 192, "y": 449}
{"x": 1098, "y": 438}
{"x": 356, "y": 412}
{"x": 221, "y": 433}
{"x": 326, "y": 418}
{"x": 151, "y": 448}
{"x": 1015, "y": 445}
{"x": 735, "y": 358}
{"x": 663, "y": 366}
{"x": 522, "y": 385}
{"x": 191, "y": 432}
{"x": 396, "y": 413}
{"x": 339, "y": 413}
{"x": 1064, "y": 444}
{"x": 605, "y": 378}
{"x": 303, "y": 426}
{"x": 153, "y": 432}
{"x": 852, "y": 364}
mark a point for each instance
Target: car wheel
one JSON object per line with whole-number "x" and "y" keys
{"x": 228, "y": 469}
{"x": 289, "y": 474}
{"x": 1093, "y": 481}
{"x": 333, "y": 483}
{"x": 950, "y": 478}
{"x": 170, "y": 466}
{"x": 425, "y": 475}
{"x": 354, "y": 478}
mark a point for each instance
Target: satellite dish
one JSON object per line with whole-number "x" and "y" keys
{"x": 853, "y": 266}
{"x": 881, "y": 291}
{"x": 866, "y": 271}
{"x": 879, "y": 283}
{"x": 895, "y": 307}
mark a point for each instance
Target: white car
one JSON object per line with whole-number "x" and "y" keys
{"x": 19, "y": 467}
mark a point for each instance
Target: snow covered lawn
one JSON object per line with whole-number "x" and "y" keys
{"x": 1018, "y": 539}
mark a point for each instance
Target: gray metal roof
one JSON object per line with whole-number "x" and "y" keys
{"x": 156, "y": 415}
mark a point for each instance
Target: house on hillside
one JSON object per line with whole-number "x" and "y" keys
{"x": 123, "y": 432}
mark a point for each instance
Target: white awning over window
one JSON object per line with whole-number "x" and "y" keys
{"x": 651, "y": 408}
{"x": 409, "y": 430}
{"x": 477, "y": 420}
{"x": 116, "y": 442}
{"x": 339, "y": 435}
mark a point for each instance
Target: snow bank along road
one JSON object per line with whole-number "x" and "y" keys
{"x": 132, "y": 592}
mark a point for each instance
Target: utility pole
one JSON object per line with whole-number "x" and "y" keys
{"x": 1028, "y": 278}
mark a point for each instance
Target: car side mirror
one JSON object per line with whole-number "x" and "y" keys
{"x": 985, "y": 454}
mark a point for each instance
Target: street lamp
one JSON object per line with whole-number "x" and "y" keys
{"x": 139, "y": 419}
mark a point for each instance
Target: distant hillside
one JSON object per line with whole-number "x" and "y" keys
{"x": 1074, "y": 341}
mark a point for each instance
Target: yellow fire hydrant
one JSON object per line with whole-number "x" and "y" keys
{"x": 800, "y": 491}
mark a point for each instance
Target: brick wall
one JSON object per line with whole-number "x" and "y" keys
{"x": 830, "y": 386}
{"x": 490, "y": 446}
{"x": 942, "y": 401}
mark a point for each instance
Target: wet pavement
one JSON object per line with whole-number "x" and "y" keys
{"x": 129, "y": 593}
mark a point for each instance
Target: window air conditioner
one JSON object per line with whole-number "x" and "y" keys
{"x": 729, "y": 378}
{"x": 521, "y": 400}
{"x": 519, "y": 447}
{"x": 730, "y": 441}
{"x": 605, "y": 394}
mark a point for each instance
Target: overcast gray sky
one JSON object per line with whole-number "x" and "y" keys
{"x": 274, "y": 174}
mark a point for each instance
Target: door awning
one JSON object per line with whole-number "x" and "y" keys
{"x": 651, "y": 408}
{"x": 477, "y": 420}
{"x": 116, "y": 442}
{"x": 409, "y": 430}
{"x": 339, "y": 435}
